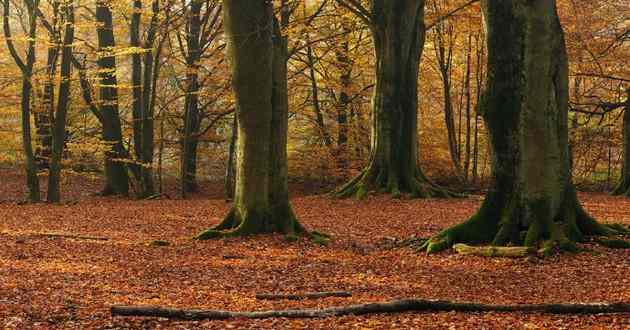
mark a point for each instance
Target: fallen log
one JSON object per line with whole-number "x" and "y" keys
{"x": 70, "y": 236}
{"x": 307, "y": 295}
{"x": 495, "y": 251}
{"x": 395, "y": 306}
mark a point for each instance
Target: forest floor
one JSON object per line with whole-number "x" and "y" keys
{"x": 63, "y": 282}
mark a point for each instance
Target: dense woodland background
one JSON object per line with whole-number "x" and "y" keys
{"x": 185, "y": 115}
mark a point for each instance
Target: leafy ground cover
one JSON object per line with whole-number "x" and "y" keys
{"x": 141, "y": 252}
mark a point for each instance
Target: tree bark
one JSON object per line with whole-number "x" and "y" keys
{"x": 191, "y": 112}
{"x": 258, "y": 58}
{"x": 623, "y": 188}
{"x": 63, "y": 101}
{"x": 532, "y": 200}
{"x": 26, "y": 68}
{"x": 142, "y": 108}
{"x": 398, "y": 32}
{"x": 230, "y": 170}
{"x": 116, "y": 177}
{"x": 343, "y": 102}
{"x": 395, "y": 306}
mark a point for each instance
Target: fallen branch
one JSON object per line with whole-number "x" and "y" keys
{"x": 157, "y": 196}
{"x": 396, "y": 306}
{"x": 55, "y": 235}
{"x": 495, "y": 251}
{"x": 308, "y": 295}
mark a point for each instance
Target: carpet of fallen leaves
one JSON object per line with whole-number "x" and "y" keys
{"x": 56, "y": 282}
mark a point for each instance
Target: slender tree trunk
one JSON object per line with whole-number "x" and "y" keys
{"x": 623, "y": 188}
{"x": 45, "y": 116}
{"x": 443, "y": 40}
{"x": 191, "y": 113}
{"x": 478, "y": 79}
{"x": 63, "y": 101}
{"x": 532, "y": 200}
{"x": 136, "y": 82}
{"x": 142, "y": 79}
{"x": 147, "y": 105}
{"x": 343, "y": 102}
{"x": 319, "y": 117}
{"x": 398, "y": 33}
{"x": 26, "y": 67}
{"x": 466, "y": 169}
{"x": 258, "y": 57}
{"x": 116, "y": 177}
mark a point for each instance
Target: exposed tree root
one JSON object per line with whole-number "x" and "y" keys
{"x": 622, "y": 189}
{"x": 281, "y": 220}
{"x": 396, "y": 306}
{"x": 614, "y": 243}
{"x": 572, "y": 226}
{"x": 415, "y": 185}
{"x": 308, "y": 295}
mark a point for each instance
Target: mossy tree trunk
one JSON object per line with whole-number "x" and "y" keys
{"x": 398, "y": 32}
{"x": 257, "y": 53}
{"x": 532, "y": 200}
{"x": 623, "y": 188}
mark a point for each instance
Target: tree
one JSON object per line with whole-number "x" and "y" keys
{"x": 200, "y": 32}
{"x": 117, "y": 179}
{"x": 26, "y": 68}
{"x": 623, "y": 188}
{"x": 398, "y": 32}
{"x": 143, "y": 74}
{"x": 257, "y": 52}
{"x": 63, "y": 101}
{"x": 444, "y": 36}
{"x": 532, "y": 200}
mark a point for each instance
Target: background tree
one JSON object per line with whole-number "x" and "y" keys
{"x": 398, "y": 33}
{"x": 26, "y": 68}
{"x": 63, "y": 102}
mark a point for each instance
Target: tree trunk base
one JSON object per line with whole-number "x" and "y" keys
{"x": 396, "y": 306}
{"x": 414, "y": 185}
{"x": 623, "y": 189}
{"x": 282, "y": 221}
{"x": 545, "y": 236}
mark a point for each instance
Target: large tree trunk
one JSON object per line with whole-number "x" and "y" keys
{"x": 624, "y": 184}
{"x": 258, "y": 54}
{"x": 59, "y": 125}
{"x": 398, "y": 32}
{"x": 532, "y": 200}
{"x": 116, "y": 177}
